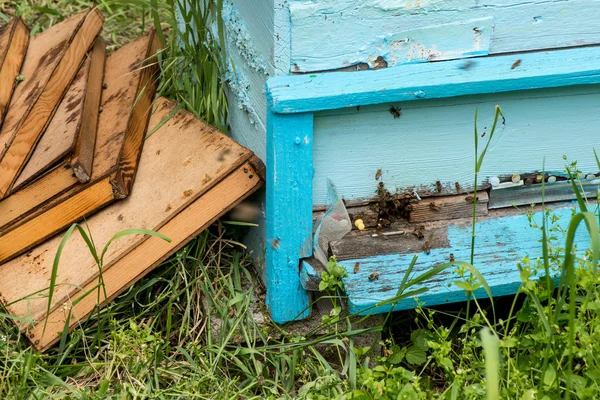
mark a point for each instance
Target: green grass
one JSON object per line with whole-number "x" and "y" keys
{"x": 191, "y": 328}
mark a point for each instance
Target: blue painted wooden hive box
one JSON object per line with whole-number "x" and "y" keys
{"x": 379, "y": 96}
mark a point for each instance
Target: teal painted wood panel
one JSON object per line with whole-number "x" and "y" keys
{"x": 501, "y": 243}
{"x": 289, "y": 213}
{"x": 327, "y": 91}
{"x": 433, "y": 140}
{"x": 334, "y": 34}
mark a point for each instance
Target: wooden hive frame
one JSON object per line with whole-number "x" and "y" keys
{"x": 292, "y": 104}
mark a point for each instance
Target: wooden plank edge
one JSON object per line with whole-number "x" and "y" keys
{"x": 83, "y": 308}
{"x": 19, "y": 205}
{"x": 35, "y": 230}
{"x": 242, "y": 163}
{"x": 137, "y": 125}
{"x": 14, "y": 158}
{"x": 448, "y": 207}
{"x": 83, "y": 156}
{"x": 19, "y": 42}
{"x": 493, "y": 74}
{"x": 62, "y": 158}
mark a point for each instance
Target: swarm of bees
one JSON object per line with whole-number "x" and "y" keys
{"x": 391, "y": 207}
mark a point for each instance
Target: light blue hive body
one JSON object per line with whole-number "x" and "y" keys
{"x": 299, "y": 98}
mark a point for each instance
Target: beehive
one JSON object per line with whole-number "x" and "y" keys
{"x": 360, "y": 88}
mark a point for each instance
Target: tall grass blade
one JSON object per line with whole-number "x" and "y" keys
{"x": 491, "y": 350}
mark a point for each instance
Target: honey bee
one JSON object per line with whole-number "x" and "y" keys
{"x": 275, "y": 243}
{"x": 451, "y": 257}
{"x": 438, "y": 186}
{"x": 378, "y": 174}
{"x": 427, "y": 247}
{"x": 374, "y": 276}
{"x": 427, "y": 244}
{"x": 396, "y": 112}
{"x": 470, "y": 198}
{"x": 467, "y": 65}
{"x": 516, "y": 64}
{"x": 458, "y": 187}
{"x": 419, "y": 232}
{"x": 434, "y": 207}
{"x": 356, "y": 267}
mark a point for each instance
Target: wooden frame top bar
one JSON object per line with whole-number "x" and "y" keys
{"x": 333, "y": 90}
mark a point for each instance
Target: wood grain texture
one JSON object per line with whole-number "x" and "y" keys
{"x": 123, "y": 77}
{"x": 180, "y": 161}
{"x": 71, "y": 209}
{"x": 61, "y": 138}
{"x": 327, "y": 91}
{"x": 448, "y": 207}
{"x": 119, "y": 98}
{"x": 17, "y": 206}
{"x": 338, "y": 33}
{"x": 83, "y": 155}
{"x": 501, "y": 243}
{"x": 22, "y": 137}
{"x": 138, "y": 120}
{"x": 14, "y": 39}
{"x": 44, "y": 52}
{"x": 140, "y": 260}
{"x": 433, "y": 141}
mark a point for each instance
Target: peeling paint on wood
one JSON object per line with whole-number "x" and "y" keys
{"x": 327, "y": 91}
{"x": 333, "y": 34}
{"x": 500, "y": 245}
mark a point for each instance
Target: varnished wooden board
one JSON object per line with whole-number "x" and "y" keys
{"x": 122, "y": 78}
{"x": 180, "y": 161}
{"x": 14, "y": 39}
{"x": 139, "y": 261}
{"x": 83, "y": 156}
{"x": 52, "y": 61}
{"x": 16, "y": 207}
{"x": 72, "y": 129}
